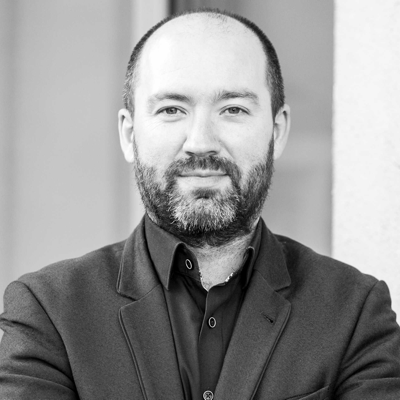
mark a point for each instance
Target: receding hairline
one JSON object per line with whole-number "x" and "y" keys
{"x": 223, "y": 21}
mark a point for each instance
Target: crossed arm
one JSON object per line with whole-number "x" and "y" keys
{"x": 34, "y": 362}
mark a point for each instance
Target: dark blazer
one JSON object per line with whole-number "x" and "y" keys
{"x": 97, "y": 327}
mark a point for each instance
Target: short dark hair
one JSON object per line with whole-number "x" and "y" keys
{"x": 273, "y": 73}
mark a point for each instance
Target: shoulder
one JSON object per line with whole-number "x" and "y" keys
{"x": 331, "y": 296}
{"x": 310, "y": 271}
{"x": 99, "y": 267}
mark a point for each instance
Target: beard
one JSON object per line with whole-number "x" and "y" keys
{"x": 203, "y": 217}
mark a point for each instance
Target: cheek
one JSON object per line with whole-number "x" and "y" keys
{"x": 248, "y": 152}
{"x": 156, "y": 153}
{"x": 251, "y": 138}
{"x": 246, "y": 163}
{"x": 156, "y": 144}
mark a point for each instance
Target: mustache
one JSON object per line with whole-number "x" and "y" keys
{"x": 195, "y": 162}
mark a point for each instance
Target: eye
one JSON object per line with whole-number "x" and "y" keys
{"x": 234, "y": 110}
{"x": 170, "y": 111}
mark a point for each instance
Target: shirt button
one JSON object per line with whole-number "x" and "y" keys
{"x": 208, "y": 395}
{"x": 188, "y": 264}
{"x": 212, "y": 322}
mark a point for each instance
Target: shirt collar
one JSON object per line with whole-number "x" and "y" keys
{"x": 166, "y": 250}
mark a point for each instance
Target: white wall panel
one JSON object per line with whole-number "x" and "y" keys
{"x": 367, "y": 138}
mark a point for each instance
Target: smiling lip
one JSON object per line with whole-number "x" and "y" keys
{"x": 202, "y": 173}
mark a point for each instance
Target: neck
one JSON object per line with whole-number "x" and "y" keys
{"x": 216, "y": 264}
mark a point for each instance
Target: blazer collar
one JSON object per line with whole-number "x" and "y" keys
{"x": 136, "y": 273}
{"x": 271, "y": 262}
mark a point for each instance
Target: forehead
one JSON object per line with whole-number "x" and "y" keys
{"x": 194, "y": 49}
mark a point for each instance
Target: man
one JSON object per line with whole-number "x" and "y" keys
{"x": 202, "y": 301}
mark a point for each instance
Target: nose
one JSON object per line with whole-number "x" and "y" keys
{"x": 202, "y": 138}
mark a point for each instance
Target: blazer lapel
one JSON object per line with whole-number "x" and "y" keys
{"x": 261, "y": 320}
{"x": 146, "y": 324}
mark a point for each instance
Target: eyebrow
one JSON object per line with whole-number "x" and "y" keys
{"x": 242, "y": 94}
{"x": 168, "y": 96}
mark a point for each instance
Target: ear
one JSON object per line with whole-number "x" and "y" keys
{"x": 125, "y": 128}
{"x": 281, "y": 130}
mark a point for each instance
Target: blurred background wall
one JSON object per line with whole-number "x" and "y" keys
{"x": 65, "y": 188}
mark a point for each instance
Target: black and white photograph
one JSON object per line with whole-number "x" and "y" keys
{"x": 199, "y": 199}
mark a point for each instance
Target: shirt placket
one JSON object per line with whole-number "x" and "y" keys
{"x": 211, "y": 338}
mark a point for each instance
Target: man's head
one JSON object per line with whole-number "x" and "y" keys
{"x": 201, "y": 130}
{"x": 273, "y": 73}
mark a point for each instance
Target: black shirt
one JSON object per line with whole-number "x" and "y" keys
{"x": 202, "y": 322}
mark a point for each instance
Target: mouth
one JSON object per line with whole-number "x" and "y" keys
{"x": 202, "y": 174}
{"x": 203, "y": 179}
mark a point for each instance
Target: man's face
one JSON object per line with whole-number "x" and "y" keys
{"x": 203, "y": 129}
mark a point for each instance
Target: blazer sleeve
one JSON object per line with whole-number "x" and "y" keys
{"x": 370, "y": 368}
{"x": 33, "y": 359}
